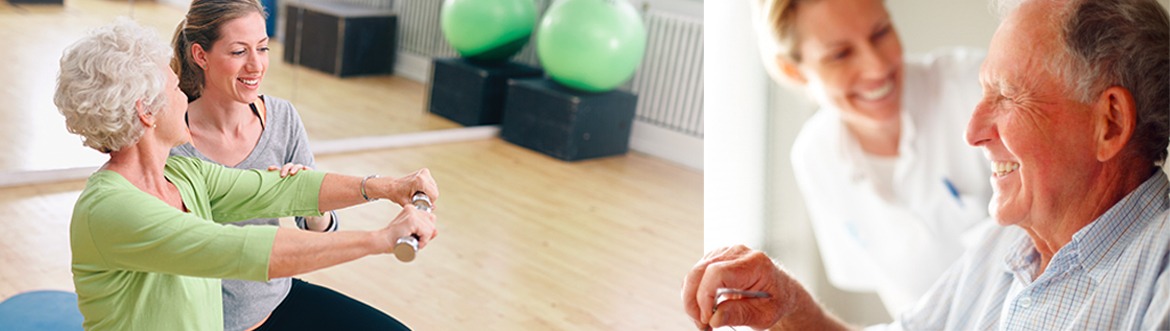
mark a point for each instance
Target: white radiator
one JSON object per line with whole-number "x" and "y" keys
{"x": 379, "y": 4}
{"x": 669, "y": 83}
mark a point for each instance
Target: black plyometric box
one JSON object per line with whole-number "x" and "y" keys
{"x": 340, "y": 39}
{"x": 567, "y": 124}
{"x": 472, "y": 93}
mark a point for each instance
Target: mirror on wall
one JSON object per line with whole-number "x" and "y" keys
{"x": 32, "y": 132}
{"x": 33, "y": 137}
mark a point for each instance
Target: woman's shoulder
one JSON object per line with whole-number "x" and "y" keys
{"x": 819, "y": 138}
{"x": 281, "y": 112}
{"x": 186, "y": 150}
{"x": 183, "y": 161}
{"x": 278, "y": 107}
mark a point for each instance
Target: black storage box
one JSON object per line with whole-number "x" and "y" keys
{"x": 471, "y": 93}
{"x": 340, "y": 39}
{"x": 567, "y": 124}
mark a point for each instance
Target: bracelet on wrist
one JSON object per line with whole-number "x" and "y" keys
{"x": 363, "y": 188}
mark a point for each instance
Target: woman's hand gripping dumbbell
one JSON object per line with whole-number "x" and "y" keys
{"x": 407, "y": 246}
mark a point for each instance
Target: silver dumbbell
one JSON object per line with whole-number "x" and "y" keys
{"x": 407, "y": 247}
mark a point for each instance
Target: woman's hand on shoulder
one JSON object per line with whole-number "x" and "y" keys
{"x": 289, "y": 169}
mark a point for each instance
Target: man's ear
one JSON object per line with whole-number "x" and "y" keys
{"x": 199, "y": 55}
{"x": 790, "y": 71}
{"x": 1116, "y": 119}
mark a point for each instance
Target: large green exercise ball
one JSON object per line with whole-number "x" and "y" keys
{"x": 591, "y": 45}
{"x": 487, "y": 30}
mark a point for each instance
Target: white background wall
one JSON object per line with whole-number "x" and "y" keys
{"x": 735, "y": 88}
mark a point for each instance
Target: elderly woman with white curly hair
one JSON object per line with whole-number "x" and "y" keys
{"x": 148, "y": 246}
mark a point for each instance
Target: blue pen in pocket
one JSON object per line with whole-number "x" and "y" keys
{"x": 954, "y": 191}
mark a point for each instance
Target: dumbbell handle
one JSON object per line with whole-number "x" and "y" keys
{"x": 407, "y": 247}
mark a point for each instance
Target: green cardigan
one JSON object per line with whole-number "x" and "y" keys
{"x": 140, "y": 264}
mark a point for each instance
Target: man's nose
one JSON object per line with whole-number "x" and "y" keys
{"x": 981, "y": 128}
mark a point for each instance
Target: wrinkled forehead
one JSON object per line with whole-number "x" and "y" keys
{"x": 1024, "y": 46}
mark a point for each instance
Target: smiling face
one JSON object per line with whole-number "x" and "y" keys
{"x": 236, "y": 63}
{"x": 1038, "y": 139}
{"x": 851, "y": 58}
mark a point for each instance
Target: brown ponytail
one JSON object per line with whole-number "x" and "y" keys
{"x": 190, "y": 74}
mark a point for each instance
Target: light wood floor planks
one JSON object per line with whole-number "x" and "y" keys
{"x": 526, "y": 242}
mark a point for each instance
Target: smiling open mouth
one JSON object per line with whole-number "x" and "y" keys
{"x": 1003, "y": 168}
{"x": 877, "y": 93}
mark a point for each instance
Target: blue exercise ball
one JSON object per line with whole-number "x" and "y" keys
{"x": 591, "y": 45}
{"x": 487, "y": 30}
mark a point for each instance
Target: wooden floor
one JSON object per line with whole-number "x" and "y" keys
{"x": 526, "y": 242}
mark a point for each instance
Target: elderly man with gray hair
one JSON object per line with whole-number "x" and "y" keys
{"x": 1074, "y": 122}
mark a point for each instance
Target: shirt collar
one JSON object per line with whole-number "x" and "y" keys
{"x": 1022, "y": 260}
{"x": 1100, "y": 242}
{"x": 1097, "y": 245}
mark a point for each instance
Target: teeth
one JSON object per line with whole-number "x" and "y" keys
{"x": 250, "y": 81}
{"x": 1000, "y": 169}
{"x": 878, "y": 93}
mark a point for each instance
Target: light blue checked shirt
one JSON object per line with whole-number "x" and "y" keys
{"x": 1113, "y": 275}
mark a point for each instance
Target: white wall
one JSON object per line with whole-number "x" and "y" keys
{"x": 734, "y": 105}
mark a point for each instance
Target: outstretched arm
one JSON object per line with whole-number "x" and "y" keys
{"x": 340, "y": 191}
{"x": 296, "y": 252}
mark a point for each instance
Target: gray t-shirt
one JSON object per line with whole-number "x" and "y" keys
{"x": 246, "y": 303}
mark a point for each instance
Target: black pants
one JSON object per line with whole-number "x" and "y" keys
{"x": 311, "y": 307}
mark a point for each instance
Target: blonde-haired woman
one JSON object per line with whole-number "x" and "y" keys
{"x": 148, "y": 246}
{"x": 890, "y": 184}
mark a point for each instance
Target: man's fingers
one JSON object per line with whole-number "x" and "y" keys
{"x": 705, "y": 298}
{"x": 690, "y": 288}
{"x": 698, "y": 292}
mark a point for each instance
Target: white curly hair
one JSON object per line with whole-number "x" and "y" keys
{"x": 102, "y": 79}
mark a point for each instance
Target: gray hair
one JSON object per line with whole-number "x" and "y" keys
{"x": 103, "y": 76}
{"x": 1122, "y": 43}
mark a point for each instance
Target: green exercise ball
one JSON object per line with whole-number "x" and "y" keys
{"x": 591, "y": 45}
{"x": 487, "y": 30}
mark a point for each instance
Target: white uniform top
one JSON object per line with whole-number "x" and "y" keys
{"x": 898, "y": 243}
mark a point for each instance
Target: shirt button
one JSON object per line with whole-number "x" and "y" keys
{"x": 1026, "y": 302}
